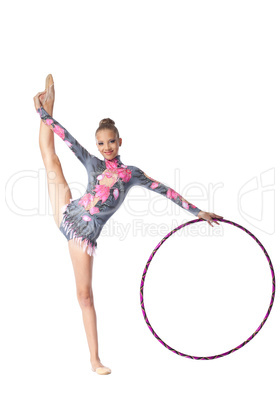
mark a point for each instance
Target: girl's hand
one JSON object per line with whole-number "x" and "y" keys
{"x": 45, "y": 99}
{"x": 39, "y": 99}
{"x": 208, "y": 217}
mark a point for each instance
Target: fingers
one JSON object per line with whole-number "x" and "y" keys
{"x": 217, "y": 223}
{"x": 211, "y": 221}
{"x": 38, "y": 94}
{"x": 37, "y": 101}
{"x": 216, "y": 216}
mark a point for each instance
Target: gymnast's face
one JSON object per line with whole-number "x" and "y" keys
{"x": 107, "y": 143}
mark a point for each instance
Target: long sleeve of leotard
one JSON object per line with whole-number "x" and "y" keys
{"x": 81, "y": 153}
{"x": 141, "y": 179}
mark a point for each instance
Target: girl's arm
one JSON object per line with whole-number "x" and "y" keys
{"x": 81, "y": 153}
{"x": 141, "y": 179}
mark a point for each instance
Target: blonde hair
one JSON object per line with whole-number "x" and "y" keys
{"x": 109, "y": 124}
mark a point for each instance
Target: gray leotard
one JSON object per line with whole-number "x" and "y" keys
{"x": 84, "y": 218}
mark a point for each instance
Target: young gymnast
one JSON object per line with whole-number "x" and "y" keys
{"x": 81, "y": 220}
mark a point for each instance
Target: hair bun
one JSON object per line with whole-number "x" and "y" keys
{"x": 106, "y": 121}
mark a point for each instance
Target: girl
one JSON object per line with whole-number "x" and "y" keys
{"x": 82, "y": 220}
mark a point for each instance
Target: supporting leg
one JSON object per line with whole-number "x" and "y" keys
{"x": 82, "y": 264}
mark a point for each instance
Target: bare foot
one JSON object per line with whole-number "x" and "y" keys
{"x": 98, "y": 367}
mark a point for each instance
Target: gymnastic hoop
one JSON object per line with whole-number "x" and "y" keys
{"x": 144, "y": 276}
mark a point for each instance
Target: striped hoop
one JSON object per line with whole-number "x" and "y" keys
{"x": 242, "y": 344}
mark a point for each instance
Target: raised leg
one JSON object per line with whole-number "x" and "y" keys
{"x": 59, "y": 191}
{"x": 82, "y": 264}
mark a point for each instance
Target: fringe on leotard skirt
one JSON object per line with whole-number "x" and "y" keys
{"x": 84, "y": 242}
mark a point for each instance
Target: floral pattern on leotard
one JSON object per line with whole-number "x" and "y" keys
{"x": 87, "y": 202}
{"x": 79, "y": 151}
{"x": 142, "y": 179}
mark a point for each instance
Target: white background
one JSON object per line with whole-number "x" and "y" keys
{"x": 193, "y": 88}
